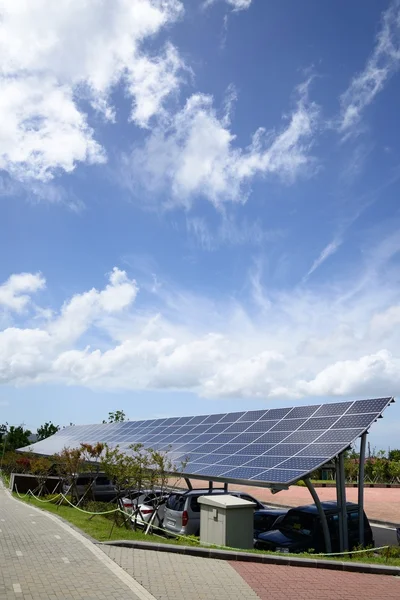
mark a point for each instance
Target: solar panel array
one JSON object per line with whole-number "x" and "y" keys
{"x": 275, "y": 446}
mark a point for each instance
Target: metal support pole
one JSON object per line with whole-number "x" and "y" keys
{"x": 322, "y": 515}
{"x": 361, "y": 488}
{"x": 210, "y": 486}
{"x": 338, "y": 500}
{"x": 226, "y": 487}
{"x": 343, "y": 506}
{"x": 188, "y": 483}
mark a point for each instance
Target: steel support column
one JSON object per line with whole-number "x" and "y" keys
{"x": 210, "y": 486}
{"x": 322, "y": 515}
{"x": 337, "y": 476}
{"x": 188, "y": 483}
{"x": 342, "y": 504}
{"x": 361, "y": 488}
{"x": 226, "y": 487}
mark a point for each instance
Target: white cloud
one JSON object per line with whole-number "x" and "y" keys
{"x": 235, "y": 4}
{"x": 15, "y": 292}
{"x": 328, "y": 251}
{"x": 383, "y": 62}
{"x": 195, "y": 153}
{"x": 55, "y": 54}
{"x": 338, "y": 339}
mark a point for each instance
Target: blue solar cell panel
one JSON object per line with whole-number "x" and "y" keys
{"x": 197, "y": 420}
{"x": 328, "y": 450}
{"x": 183, "y": 420}
{"x": 255, "y": 449}
{"x": 186, "y": 429}
{"x": 261, "y": 426}
{"x": 214, "y": 418}
{"x": 285, "y": 449}
{"x": 243, "y": 473}
{"x": 224, "y": 438}
{"x": 275, "y": 413}
{"x": 339, "y": 435}
{"x": 218, "y": 428}
{"x": 246, "y": 438}
{"x": 273, "y": 437}
{"x": 234, "y": 460}
{"x": 232, "y": 417}
{"x": 288, "y": 425}
{"x": 353, "y": 422}
{"x": 368, "y": 406}
{"x": 276, "y": 445}
{"x": 264, "y": 462}
{"x": 303, "y": 412}
{"x": 253, "y": 415}
{"x": 212, "y": 470}
{"x": 304, "y": 463}
{"x": 303, "y": 437}
{"x": 279, "y": 475}
{"x": 237, "y": 427}
{"x": 318, "y": 423}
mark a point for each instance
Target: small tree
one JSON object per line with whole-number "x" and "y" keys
{"x": 69, "y": 463}
{"x": 394, "y": 470}
{"x": 40, "y": 467}
{"x": 394, "y": 455}
{"x": 117, "y": 416}
{"x": 17, "y": 437}
{"x": 46, "y": 430}
{"x": 91, "y": 454}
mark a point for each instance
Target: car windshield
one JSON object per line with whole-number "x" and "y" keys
{"x": 297, "y": 523}
{"x": 176, "y": 502}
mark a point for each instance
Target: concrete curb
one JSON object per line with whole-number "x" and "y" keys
{"x": 259, "y": 558}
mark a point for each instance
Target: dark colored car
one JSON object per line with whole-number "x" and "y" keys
{"x": 301, "y": 530}
{"x": 265, "y": 519}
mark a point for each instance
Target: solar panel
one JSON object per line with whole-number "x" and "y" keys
{"x": 266, "y": 447}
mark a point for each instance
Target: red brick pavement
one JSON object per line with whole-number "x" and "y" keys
{"x": 273, "y": 582}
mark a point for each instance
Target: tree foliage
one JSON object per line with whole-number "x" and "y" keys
{"x": 46, "y": 430}
{"x": 118, "y": 416}
{"x": 16, "y": 437}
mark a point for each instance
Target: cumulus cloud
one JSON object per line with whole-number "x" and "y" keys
{"x": 338, "y": 339}
{"x": 55, "y": 55}
{"x": 383, "y": 62}
{"x": 195, "y": 153}
{"x": 15, "y": 292}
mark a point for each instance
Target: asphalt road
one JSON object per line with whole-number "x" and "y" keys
{"x": 384, "y": 536}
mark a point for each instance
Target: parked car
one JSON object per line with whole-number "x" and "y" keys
{"x": 147, "y": 501}
{"x": 301, "y": 529}
{"x": 182, "y": 510}
{"x": 266, "y": 519}
{"x": 103, "y": 489}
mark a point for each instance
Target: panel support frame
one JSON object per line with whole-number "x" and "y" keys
{"x": 188, "y": 483}
{"x": 322, "y": 515}
{"x": 361, "y": 473}
{"x": 341, "y": 501}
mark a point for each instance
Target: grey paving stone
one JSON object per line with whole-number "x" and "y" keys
{"x": 179, "y": 577}
{"x": 41, "y": 572}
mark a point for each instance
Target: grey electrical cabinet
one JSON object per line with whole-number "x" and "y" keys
{"x": 226, "y": 521}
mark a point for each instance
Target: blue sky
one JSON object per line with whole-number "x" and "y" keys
{"x": 199, "y": 207}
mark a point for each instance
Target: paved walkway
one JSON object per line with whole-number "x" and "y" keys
{"x": 42, "y": 558}
{"x": 178, "y": 577}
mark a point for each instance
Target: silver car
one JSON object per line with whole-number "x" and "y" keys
{"x": 182, "y": 510}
